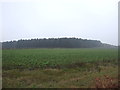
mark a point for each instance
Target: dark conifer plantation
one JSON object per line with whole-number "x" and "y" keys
{"x": 52, "y": 43}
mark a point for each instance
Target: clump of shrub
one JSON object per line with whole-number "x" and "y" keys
{"x": 106, "y": 82}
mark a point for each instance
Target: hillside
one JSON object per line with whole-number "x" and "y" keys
{"x": 55, "y": 43}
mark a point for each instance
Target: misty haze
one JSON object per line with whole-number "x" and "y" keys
{"x": 59, "y": 44}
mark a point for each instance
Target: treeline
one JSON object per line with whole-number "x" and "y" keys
{"x": 52, "y": 43}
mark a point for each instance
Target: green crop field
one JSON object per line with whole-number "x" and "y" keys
{"x": 43, "y": 58}
{"x": 38, "y": 68}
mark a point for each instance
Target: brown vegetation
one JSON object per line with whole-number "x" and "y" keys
{"x": 106, "y": 82}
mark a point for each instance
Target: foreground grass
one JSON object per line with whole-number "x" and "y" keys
{"x": 55, "y": 78}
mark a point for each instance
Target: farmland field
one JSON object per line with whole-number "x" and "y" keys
{"x": 40, "y": 68}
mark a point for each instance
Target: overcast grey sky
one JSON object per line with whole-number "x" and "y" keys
{"x": 87, "y": 19}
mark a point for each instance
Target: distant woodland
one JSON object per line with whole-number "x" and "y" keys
{"x": 53, "y": 43}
